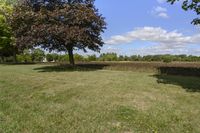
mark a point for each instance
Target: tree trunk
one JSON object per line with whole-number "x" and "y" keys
{"x": 71, "y": 56}
{"x": 14, "y": 56}
{"x": 2, "y": 59}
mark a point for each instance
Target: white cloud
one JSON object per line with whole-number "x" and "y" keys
{"x": 163, "y": 15}
{"x": 160, "y": 12}
{"x": 156, "y": 50}
{"x": 161, "y": 1}
{"x": 164, "y": 39}
{"x": 160, "y": 9}
{"x": 110, "y": 49}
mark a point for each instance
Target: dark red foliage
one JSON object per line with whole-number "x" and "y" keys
{"x": 66, "y": 27}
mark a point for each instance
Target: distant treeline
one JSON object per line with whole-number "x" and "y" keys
{"x": 37, "y": 55}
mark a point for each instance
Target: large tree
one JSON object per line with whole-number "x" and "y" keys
{"x": 190, "y": 5}
{"x": 58, "y": 25}
{"x": 6, "y": 38}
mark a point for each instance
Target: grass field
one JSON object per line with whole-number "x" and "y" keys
{"x": 40, "y": 98}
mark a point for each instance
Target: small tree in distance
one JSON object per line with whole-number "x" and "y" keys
{"x": 38, "y": 55}
{"x": 58, "y": 26}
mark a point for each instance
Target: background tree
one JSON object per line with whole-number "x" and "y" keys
{"x": 38, "y": 55}
{"x": 59, "y": 26}
{"x": 108, "y": 57}
{"x": 190, "y": 5}
{"x": 92, "y": 57}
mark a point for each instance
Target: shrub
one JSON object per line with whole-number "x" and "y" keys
{"x": 78, "y": 57}
{"x": 49, "y": 57}
{"x": 63, "y": 58}
{"x": 38, "y": 55}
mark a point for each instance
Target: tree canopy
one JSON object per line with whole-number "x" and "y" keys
{"x": 6, "y": 46}
{"x": 190, "y": 5}
{"x": 58, "y": 25}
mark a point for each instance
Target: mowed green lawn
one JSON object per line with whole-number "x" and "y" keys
{"x": 36, "y": 99}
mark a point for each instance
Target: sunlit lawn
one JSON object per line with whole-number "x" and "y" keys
{"x": 34, "y": 99}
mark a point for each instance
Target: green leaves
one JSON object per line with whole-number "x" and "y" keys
{"x": 5, "y": 30}
{"x": 190, "y": 5}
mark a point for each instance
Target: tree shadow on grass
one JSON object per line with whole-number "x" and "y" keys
{"x": 187, "y": 78}
{"x": 182, "y": 71}
{"x": 68, "y": 68}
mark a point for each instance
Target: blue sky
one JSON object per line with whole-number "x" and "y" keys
{"x": 148, "y": 27}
